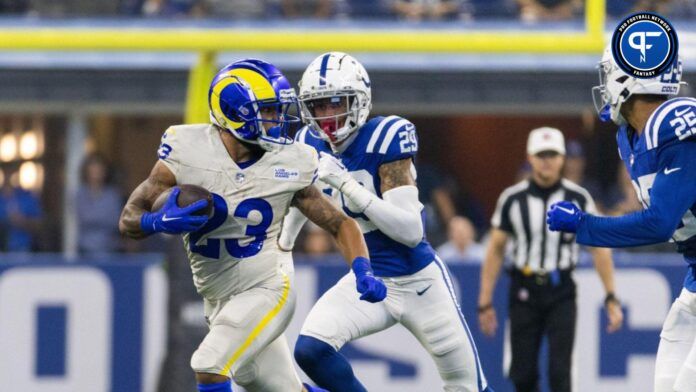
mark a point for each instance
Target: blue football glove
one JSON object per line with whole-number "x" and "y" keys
{"x": 564, "y": 216}
{"x": 372, "y": 288}
{"x": 172, "y": 219}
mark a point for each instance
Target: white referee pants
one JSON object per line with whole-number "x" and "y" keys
{"x": 675, "y": 366}
{"x": 433, "y": 317}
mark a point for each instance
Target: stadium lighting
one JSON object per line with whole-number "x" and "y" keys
{"x": 8, "y": 147}
{"x": 29, "y": 144}
{"x": 30, "y": 175}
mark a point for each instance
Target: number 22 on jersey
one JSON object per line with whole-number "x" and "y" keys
{"x": 211, "y": 249}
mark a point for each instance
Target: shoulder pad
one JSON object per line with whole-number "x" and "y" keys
{"x": 306, "y": 135}
{"x": 673, "y": 121}
{"x": 393, "y": 137}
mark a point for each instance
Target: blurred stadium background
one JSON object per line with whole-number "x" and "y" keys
{"x": 88, "y": 86}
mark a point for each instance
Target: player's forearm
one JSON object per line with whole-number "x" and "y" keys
{"x": 605, "y": 267}
{"x": 489, "y": 274}
{"x": 129, "y": 223}
{"x": 397, "y": 215}
{"x": 350, "y": 241}
{"x": 639, "y": 228}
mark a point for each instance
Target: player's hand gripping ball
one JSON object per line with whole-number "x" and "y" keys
{"x": 180, "y": 209}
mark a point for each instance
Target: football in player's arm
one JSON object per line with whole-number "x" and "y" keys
{"x": 248, "y": 164}
{"x": 138, "y": 222}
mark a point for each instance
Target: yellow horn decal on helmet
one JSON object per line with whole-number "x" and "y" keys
{"x": 261, "y": 87}
{"x": 215, "y": 103}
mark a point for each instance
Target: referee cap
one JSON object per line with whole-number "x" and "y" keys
{"x": 545, "y": 139}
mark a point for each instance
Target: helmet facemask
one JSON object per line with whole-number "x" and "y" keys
{"x": 616, "y": 87}
{"x": 266, "y": 123}
{"x": 274, "y": 129}
{"x": 338, "y": 127}
{"x": 610, "y": 94}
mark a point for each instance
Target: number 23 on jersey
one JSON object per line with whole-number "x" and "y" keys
{"x": 257, "y": 232}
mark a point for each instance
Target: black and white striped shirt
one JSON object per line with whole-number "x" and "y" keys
{"x": 521, "y": 212}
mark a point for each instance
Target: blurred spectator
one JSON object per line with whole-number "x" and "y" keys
{"x": 318, "y": 9}
{"x": 417, "y": 10}
{"x": 98, "y": 208}
{"x": 172, "y": 8}
{"x": 621, "y": 8}
{"x": 20, "y": 219}
{"x": 13, "y": 6}
{"x": 73, "y": 8}
{"x": 683, "y": 9}
{"x": 462, "y": 245}
{"x": 548, "y": 10}
{"x": 444, "y": 198}
{"x": 367, "y": 9}
{"x": 238, "y": 9}
{"x": 317, "y": 242}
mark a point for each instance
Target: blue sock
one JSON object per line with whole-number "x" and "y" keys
{"x": 325, "y": 366}
{"x": 310, "y": 388}
{"x": 219, "y": 387}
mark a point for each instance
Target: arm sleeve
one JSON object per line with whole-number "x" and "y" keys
{"x": 398, "y": 215}
{"x": 670, "y": 196}
{"x": 292, "y": 225}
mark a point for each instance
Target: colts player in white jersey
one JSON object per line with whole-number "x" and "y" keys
{"x": 255, "y": 174}
{"x": 657, "y": 143}
{"x": 367, "y": 165}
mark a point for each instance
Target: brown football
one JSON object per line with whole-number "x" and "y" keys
{"x": 189, "y": 194}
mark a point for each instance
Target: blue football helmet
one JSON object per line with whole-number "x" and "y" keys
{"x": 242, "y": 92}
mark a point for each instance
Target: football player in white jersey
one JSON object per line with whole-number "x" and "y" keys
{"x": 255, "y": 174}
{"x": 367, "y": 165}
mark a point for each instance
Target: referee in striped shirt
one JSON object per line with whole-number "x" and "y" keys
{"x": 542, "y": 290}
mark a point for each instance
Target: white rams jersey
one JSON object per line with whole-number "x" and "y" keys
{"x": 237, "y": 248}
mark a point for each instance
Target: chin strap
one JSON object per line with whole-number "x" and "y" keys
{"x": 605, "y": 113}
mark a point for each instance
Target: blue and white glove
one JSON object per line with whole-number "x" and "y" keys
{"x": 564, "y": 216}
{"x": 372, "y": 288}
{"x": 172, "y": 219}
{"x": 332, "y": 172}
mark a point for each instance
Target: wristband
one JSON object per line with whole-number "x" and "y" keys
{"x": 361, "y": 266}
{"x": 610, "y": 298}
{"x": 147, "y": 222}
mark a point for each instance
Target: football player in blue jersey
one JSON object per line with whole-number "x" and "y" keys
{"x": 367, "y": 165}
{"x": 657, "y": 143}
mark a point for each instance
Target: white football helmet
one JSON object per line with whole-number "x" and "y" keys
{"x": 616, "y": 86}
{"x": 333, "y": 76}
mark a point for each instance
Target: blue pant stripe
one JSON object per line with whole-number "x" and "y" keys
{"x": 446, "y": 277}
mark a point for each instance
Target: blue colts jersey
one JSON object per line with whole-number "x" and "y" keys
{"x": 381, "y": 140}
{"x": 673, "y": 123}
{"x": 661, "y": 163}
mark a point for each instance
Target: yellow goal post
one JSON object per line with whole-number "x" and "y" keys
{"x": 209, "y": 41}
